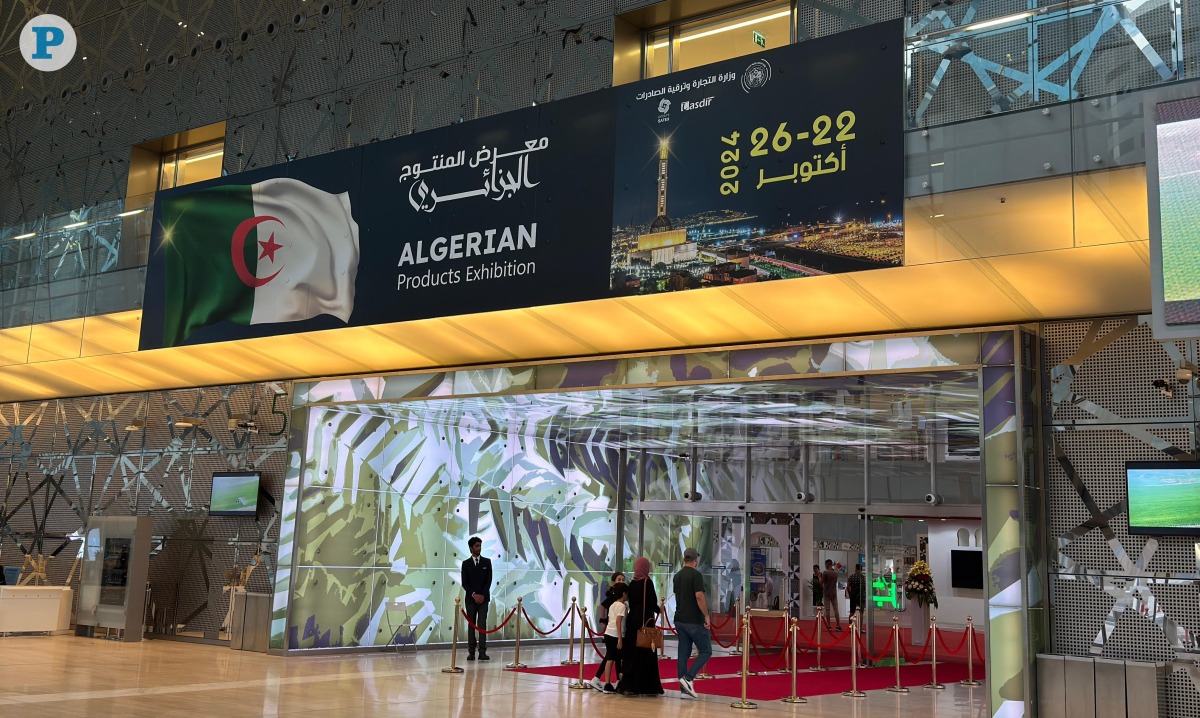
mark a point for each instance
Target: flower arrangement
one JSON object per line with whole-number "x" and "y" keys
{"x": 919, "y": 585}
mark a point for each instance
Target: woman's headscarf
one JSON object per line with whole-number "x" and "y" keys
{"x": 641, "y": 568}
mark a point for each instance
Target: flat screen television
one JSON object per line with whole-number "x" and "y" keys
{"x": 966, "y": 568}
{"x": 1164, "y": 497}
{"x": 234, "y": 493}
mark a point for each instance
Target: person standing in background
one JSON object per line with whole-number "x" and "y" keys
{"x": 856, "y": 589}
{"x": 829, "y": 587}
{"x": 477, "y": 583}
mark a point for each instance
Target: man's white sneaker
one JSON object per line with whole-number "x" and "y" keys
{"x": 685, "y": 685}
{"x": 597, "y": 684}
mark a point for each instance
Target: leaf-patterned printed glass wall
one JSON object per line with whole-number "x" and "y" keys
{"x": 389, "y": 502}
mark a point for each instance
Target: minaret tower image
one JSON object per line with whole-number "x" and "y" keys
{"x": 661, "y": 221}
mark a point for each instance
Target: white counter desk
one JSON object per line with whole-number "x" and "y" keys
{"x": 35, "y": 609}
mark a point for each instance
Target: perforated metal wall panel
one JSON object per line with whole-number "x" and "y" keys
{"x": 62, "y": 461}
{"x": 1114, "y": 594}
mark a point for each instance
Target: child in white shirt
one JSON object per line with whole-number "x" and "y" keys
{"x": 612, "y": 641}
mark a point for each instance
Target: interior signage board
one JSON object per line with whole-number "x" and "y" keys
{"x": 504, "y": 212}
{"x": 777, "y": 165}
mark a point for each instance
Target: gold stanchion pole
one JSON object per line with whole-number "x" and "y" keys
{"x": 571, "y": 643}
{"x": 793, "y": 698}
{"x": 744, "y": 704}
{"x": 746, "y": 649}
{"x": 933, "y": 683}
{"x": 854, "y": 692}
{"x": 662, "y": 615}
{"x": 737, "y": 616}
{"x": 582, "y": 633}
{"x": 896, "y": 655}
{"x": 971, "y": 655}
{"x": 516, "y": 661}
{"x": 820, "y": 623}
{"x": 454, "y": 668}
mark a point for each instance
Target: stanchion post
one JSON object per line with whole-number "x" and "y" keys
{"x": 896, "y": 655}
{"x": 747, "y": 648}
{"x": 854, "y": 692}
{"x": 582, "y": 632}
{"x": 793, "y": 698}
{"x": 971, "y": 655}
{"x": 454, "y": 668}
{"x": 820, "y": 622}
{"x": 662, "y": 615}
{"x": 737, "y": 616}
{"x": 571, "y": 643}
{"x": 744, "y": 704}
{"x": 516, "y": 661}
{"x": 933, "y": 637}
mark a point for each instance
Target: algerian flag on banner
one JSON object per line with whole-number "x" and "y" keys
{"x": 276, "y": 251}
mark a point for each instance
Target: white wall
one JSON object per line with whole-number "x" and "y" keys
{"x": 954, "y": 604}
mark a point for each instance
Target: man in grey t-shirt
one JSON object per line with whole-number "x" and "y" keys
{"x": 829, "y": 586}
{"x": 691, "y": 622}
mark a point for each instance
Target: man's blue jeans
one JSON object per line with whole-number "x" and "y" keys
{"x": 689, "y": 634}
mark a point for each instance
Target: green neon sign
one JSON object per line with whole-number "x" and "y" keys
{"x": 886, "y": 584}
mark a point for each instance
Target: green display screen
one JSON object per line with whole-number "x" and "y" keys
{"x": 234, "y": 494}
{"x": 1164, "y": 497}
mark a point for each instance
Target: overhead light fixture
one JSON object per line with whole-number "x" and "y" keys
{"x": 184, "y": 424}
{"x": 74, "y": 225}
{"x": 207, "y": 156}
{"x": 726, "y": 28}
{"x": 25, "y": 236}
{"x": 936, "y": 216}
{"x": 937, "y": 164}
{"x": 997, "y": 21}
{"x": 131, "y": 212}
{"x": 135, "y": 425}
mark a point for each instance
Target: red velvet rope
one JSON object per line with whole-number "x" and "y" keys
{"x": 978, "y": 655}
{"x": 908, "y": 656}
{"x": 956, "y": 651}
{"x": 779, "y": 660}
{"x": 777, "y": 635}
{"x": 882, "y": 654}
{"x": 736, "y": 636}
{"x": 714, "y": 626}
{"x": 600, "y": 653}
{"x": 552, "y": 630}
{"x": 484, "y": 631}
{"x": 836, "y": 641}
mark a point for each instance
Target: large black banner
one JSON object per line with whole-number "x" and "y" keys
{"x": 777, "y": 165}
{"x": 504, "y": 212}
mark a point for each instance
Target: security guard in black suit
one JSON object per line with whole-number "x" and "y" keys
{"x": 477, "y": 582}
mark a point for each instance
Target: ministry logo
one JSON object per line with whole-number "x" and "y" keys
{"x": 664, "y": 106}
{"x": 756, "y": 75}
{"x": 48, "y": 43}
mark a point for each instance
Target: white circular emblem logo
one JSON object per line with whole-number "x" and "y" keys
{"x": 664, "y": 106}
{"x": 756, "y": 75}
{"x": 48, "y": 43}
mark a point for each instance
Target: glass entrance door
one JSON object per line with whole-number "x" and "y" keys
{"x": 719, "y": 539}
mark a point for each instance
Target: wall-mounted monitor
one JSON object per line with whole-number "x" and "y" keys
{"x": 1164, "y": 497}
{"x": 966, "y": 568}
{"x": 234, "y": 493}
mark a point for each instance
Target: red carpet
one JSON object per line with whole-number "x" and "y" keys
{"x": 773, "y": 685}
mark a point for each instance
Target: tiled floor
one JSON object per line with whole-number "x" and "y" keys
{"x": 68, "y": 676}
